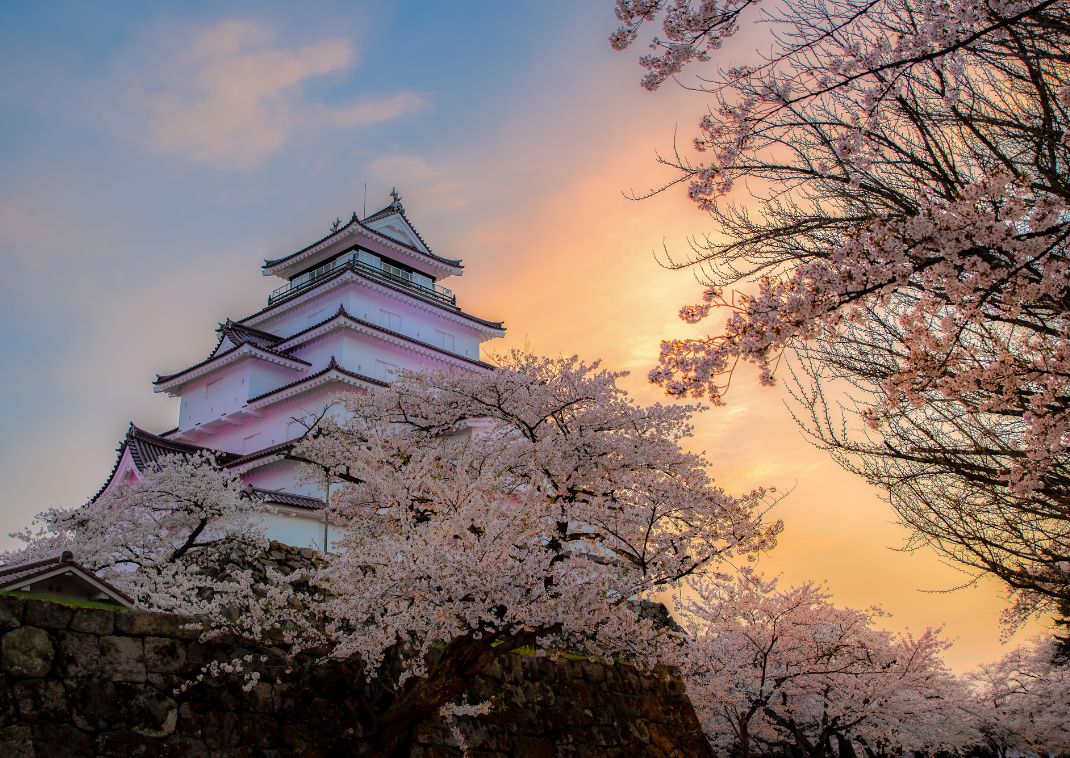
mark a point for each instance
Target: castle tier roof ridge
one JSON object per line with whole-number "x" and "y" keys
{"x": 343, "y": 313}
{"x": 336, "y": 274}
{"x": 272, "y": 262}
{"x": 331, "y": 366}
{"x": 163, "y": 378}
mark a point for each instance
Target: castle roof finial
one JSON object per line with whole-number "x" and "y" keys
{"x": 397, "y": 197}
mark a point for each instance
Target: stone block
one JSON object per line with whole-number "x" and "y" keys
{"x": 122, "y": 658}
{"x": 93, "y": 621}
{"x": 16, "y": 742}
{"x": 93, "y": 704}
{"x": 177, "y": 746}
{"x": 124, "y": 744}
{"x": 221, "y": 730}
{"x": 164, "y": 655}
{"x": 26, "y": 651}
{"x": 260, "y": 731}
{"x": 48, "y": 615}
{"x": 259, "y": 698}
{"x": 41, "y": 700}
{"x": 79, "y": 655}
{"x": 141, "y": 623}
{"x": 10, "y": 612}
{"x": 150, "y": 713}
{"x": 594, "y": 672}
{"x": 61, "y": 741}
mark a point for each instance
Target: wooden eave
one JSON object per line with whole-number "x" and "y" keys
{"x": 172, "y": 382}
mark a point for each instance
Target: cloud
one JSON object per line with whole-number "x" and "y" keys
{"x": 233, "y": 94}
{"x": 375, "y": 110}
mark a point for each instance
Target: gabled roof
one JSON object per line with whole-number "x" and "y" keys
{"x": 356, "y": 223}
{"x": 20, "y": 575}
{"x": 344, "y": 315}
{"x": 397, "y": 209}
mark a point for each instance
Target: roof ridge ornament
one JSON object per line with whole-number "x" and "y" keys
{"x": 396, "y": 205}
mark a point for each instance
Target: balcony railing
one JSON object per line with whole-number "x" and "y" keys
{"x": 373, "y": 269}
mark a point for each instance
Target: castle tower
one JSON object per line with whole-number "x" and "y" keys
{"x": 353, "y": 308}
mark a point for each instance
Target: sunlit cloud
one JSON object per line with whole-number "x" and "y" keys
{"x": 234, "y": 93}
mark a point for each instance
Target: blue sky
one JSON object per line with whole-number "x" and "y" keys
{"x": 152, "y": 155}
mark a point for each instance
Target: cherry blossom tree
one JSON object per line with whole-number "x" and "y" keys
{"x": 1025, "y": 701}
{"x": 533, "y": 505}
{"x": 164, "y": 538}
{"x": 906, "y": 236}
{"x": 769, "y": 667}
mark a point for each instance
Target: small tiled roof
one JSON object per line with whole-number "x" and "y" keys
{"x": 20, "y": 573}
{"x": 241, "y": 334}
{"x": 344, "y": 314}
{"x": 262, "y": 453}
{"x": 288, "y": 498}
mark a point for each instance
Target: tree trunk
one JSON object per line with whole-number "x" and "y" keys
{"x": 420, "y": 698}
{"x": 846, "y": 748}
{"x": 744, "y": 737}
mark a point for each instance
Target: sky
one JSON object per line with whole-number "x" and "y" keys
{"x": 151, "y": 156}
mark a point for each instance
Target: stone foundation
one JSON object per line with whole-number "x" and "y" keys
{"x": 82, "y": 682}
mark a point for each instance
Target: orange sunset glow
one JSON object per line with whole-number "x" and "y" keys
{"x": 135, "y": 217}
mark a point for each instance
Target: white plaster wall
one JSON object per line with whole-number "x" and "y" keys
{"x": 364, "y": 303}
{"x": 264, "y": 377}
{"x": 251, "y": 433}
{"x": 284, "y": 476}
{"x": 214, "y": 395}
{"x": 299, "y": 531}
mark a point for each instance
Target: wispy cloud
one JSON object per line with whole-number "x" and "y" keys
{"x": 234, "y": 93}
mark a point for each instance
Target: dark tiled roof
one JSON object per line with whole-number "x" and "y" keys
{"x": 343, "y": 270}
{"x": 160, "y": 379}
{"x": 288, "y": 498}
{"x": 146, "y": 448}
{"x": 269, "y": 263}
{"x": 263, "y": 453}
{"x": 332, "y": 366}
{"x": 241, "y": 334}
{"x": 344, "y": 314}
{"x": 20, "y": 572}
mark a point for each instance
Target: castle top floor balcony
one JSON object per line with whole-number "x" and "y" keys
{"x": 373, "y": 267}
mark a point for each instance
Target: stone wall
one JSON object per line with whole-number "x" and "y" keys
{"x": 81, "y": 682}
